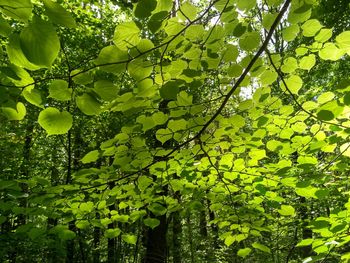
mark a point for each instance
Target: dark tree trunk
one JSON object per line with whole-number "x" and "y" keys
{"x": 156, "y": 241}
{"x": 203, "y": 224}
{"x": 156, "y": 247}
{"x": 177, "y": 229}
{"x": 112, "y": 242}
{"x": 306, "y": 233}
{"x": 96, "y": 243}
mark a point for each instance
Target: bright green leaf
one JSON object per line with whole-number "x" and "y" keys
{"x": 261, "y": 247}
{"x": 54, "y": 121}
{"x": 243, "y": 252}
{"x": 58, "y": 14}
{"x": 40, "y": 43}
{"x": 59, "y": 90}
{"x": 130, "y": 239}
{"x": 17, "y": 9}
{"x": 311, "y": 27}
{"x": 90, "y": 157}
{"x": 151, "y": 222}
{"x": 88, "y": 104}
{"x": 250, "y": 41}
{"x": 126, "y": 35}
{"x": 286, "y": 210}
{"x": 14, "y": 114}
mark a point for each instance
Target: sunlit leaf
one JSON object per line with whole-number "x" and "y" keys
{"x": 54, "y": 121}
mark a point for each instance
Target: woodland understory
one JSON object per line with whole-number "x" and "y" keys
{"x": 174, "y": 131}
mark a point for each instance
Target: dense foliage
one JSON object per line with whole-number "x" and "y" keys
{"x": 174, "y": 131}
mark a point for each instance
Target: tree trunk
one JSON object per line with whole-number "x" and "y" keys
{"x": 306, "y": 233}
{"x": 96, "y": 243}
{"x": 156, "y": 246}
{"x": 177, "y": 229}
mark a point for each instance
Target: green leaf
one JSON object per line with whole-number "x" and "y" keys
{"x": 156, "y": 21}
{"x": 90, "y": 157}
{"x": 82, "y": 224}
{"x": 144, "y": 8}
{"x": 230, "y": 54}
{"x": 311, "y": 27}
{"x": 157, "y": 209}
{"x": 106, "y": 90}
{"x": 130, "y": 239}
{"x": 54, "y": 121}
{"x": 58, "y": 14}
{"x": 324, "y": 35}
{"x": 261, "y": 247}
{"x": 5, "y": 28}
{"x": 322, "y": 193}
{"x": 305, "y": 242}
{"x": 14, "y": 114}
{"x": 250, "y": 41}
{"x": 289, "y": 65}
{"x": 17, "y": 9}
{"x": 246, "y": 5}
{"x": 331, "y": 52}
{"x": 40, "y": 43}
{"x": 139, "y": 69}
{"x": 66, "y": 234}
{"x": 268, "y": 20}
{"x": 257, "y": 154}
{"x": 164, "y": 135}
{"x": 151, "y": 222}
{"x": 112, "y": 59}
{"x": 229, "y": 240}
{"x": 307, "y": 62}
{"x": 16, "y": 55}
{"x": 234, "y": 71}
{"x": 33, "y": 96}
{"x": 177, "y": 125}
{"x": 35, "y": 233}
{"x": 188, "y": 11}
{"x": 294, "y": 83}
{"x": 170, "y": 90}
{"x": 243, "y": 252}
{"x": 286, "y": 210}
{"x": 88, "y": 104}
{"x": 159, "y": 118}
{"x": 325, "y": 115}
{"x": 290, "y": 33}
{"x": 195, "y": 33}
{"x": 347, "y": 98}
{"x": 268, "y": 77}
{"x": 112, "y": 233}
{"x": 325, "y": 97}
{"x": 343, "y": 40}
{"x": 126, "y": 35}
{"x": 144, "y": 182}
{"x": 59, "y": 90}
{"x": 81, "y": 77}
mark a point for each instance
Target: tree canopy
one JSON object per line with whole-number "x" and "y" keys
{"x": 176, "y": 131}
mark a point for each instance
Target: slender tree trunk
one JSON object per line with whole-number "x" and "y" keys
{"x": 96, "y": 243}
{"x": 24, "y": 169}
{"x": 71, "y": 225}
{"x": 190, "y": 237}
{"x": 112, "y": 242}
{"x": 52, "y": 222}
{"x": 306, "y": 233}
{"x": 177, "y": 230}
{"x": 203, "y": 231}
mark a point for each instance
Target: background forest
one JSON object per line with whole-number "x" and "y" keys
{"x": 182, "y": 131}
